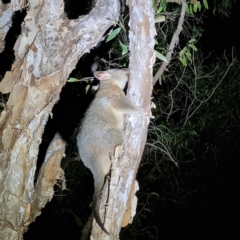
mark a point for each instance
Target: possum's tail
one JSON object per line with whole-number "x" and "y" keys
{"x": 96, "y": 202}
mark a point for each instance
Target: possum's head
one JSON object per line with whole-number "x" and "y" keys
{"x": 114, "y": 76}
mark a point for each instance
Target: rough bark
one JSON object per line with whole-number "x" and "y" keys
{"x": 45, "y": 53}
{"x": 49, "y": 173}
{"x": 6, "y": 13}
{"x": 121, "y": 202}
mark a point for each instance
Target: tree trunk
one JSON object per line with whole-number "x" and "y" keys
{"x": 121, "y": 199}
{"x": 45, "y": 53}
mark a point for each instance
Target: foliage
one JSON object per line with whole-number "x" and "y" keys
{"x": 223, "y": 7}
{"x": 113, "y": 34}
{"x": 185, "y": 55}
{"x": 178, "y": 144}
{"x": 190, "y": 34}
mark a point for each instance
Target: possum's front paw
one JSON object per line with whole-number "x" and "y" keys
{"x": 147, "y": 110}
{"x": 119, "y": 152}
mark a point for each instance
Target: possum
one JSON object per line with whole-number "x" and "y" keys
{"x": 102, "y": 129}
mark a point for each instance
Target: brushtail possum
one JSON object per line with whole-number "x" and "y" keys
{"x": 102, "y": 129}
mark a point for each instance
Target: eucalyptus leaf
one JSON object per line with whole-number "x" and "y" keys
{"x": 113, "y": 34}
{"x": 193, "y": 47}
{"x": 86, "y": 79}
{"x": 191, "y": 10}
{"x": 160, "y": 9}
{"x": 124, "y": 48}
{"x": 205, "y": 3}
{"x": 73, "y": 80}
{"x": 114, "y": 22}
{"x": 87, "y": 88}
{"x": 195, "y": 8}
{"x": 161, "y": 57}
{"x": 160, "y": 18}
{"x": 183, "y": 61}
{"x": 192, "y": 40}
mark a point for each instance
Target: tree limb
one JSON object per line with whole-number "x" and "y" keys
{"x": 174, "y": 41}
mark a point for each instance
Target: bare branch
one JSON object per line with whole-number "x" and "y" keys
{"x": 49, "y": 173}
{"x": 188, "y": 116}
{"x": 174, "y": 41}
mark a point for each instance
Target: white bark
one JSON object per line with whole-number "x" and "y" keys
{"x": 121, "y": 205}
{"x": 46, "y": 52}
{"x": 6, "y": 13}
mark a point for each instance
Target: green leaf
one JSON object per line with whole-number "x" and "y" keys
{"x": 78, "y": 221}
{"x": 160, "y": 9}
{"x": 183, "y": 61}
{"x": 187, "y": 10}
{"x": 193, "y": 47}
{"x": 195, "y": 8}
{"x": 205, "y": 3}
{"x": 199, "y": 6}
{"x": 124, "y": 48}
{"x": 191, "y": 10}
{"x": 192, "y": 40}
{"x": 114, "y": 22}
{"x": 155, "y": 194}
{"x": 160, "y": 18}
{"x": 183, "y": 51}
{"x": 192, "y": 132}
{"x": 80, "y": 80}
{"x": 161, "y": 57}
{"x": 87, "y": 88}
{"x": 113, "y": 34}
{"x": 147, "y": 209}
{"x": 73, "y": 80}
{"x": 189, "y": 56}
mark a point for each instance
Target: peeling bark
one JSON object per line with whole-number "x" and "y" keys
{"x": 6, "y": 13}
{"x": 50, "y": 172}
{"x": 46, "y": 52}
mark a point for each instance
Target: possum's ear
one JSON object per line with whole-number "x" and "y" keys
{"x": 102, "y": 75}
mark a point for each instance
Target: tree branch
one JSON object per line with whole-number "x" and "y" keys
{"x": 174, "y": 41}
{"x": 49, "y": 173}
{"x": 6, "y": 12}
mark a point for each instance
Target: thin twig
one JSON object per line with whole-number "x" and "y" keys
{"x": 174, "y": 41}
